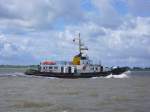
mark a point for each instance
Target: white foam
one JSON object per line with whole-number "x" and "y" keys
{"x": 51, "y": 78}
{"x": 109, "y": 76}
{"x": 123, "y": 75}
{"x": 95, "y": 77}
{"x": 128, "y": 72}
{"x": 18, "y": 74}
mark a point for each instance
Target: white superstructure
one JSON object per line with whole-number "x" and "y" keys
{"x": 81, "y": 64}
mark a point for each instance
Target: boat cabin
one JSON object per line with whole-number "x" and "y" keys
{"x": 79, "y": 64}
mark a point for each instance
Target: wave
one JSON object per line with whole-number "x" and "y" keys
{"x": 12, "y": 74}
{"x": 20, "y": 74}
{"x": 117, "y": 76}
{"x": 120, "y": 76}
{"x": 95, "y": 77}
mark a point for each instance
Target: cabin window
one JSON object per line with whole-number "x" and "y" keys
{"x": 92, "y": 68}
{"x": 62, "y": 69}
{"x": 50, "y": 67}
{"x": 55, "y": 68}
{"x": 96, "y": 68}
{"x": 69, "y": 69}
{"x": 101, "y": 68}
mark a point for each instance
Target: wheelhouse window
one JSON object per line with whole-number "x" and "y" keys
{"x": 96, "y": 68}
{"x": 50, "y": 67}
{"x": 92, "y": 68}
{"x": 55, "y": 68}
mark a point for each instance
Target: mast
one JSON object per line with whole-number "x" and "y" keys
{"x": 81, "y": 46}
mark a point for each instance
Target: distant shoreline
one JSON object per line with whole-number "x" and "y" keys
{"x": 17, "y": 66}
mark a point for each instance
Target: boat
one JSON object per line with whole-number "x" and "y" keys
{"x": 80, "y": 66}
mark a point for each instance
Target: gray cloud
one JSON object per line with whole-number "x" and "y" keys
{"x": 28, "y": 31}
{"x": 33, "y": 15}
{"x": 126, "y": 45}
{"x": 13, "y": 53}
{"x": 107, "y": 15}
{"x": 139, "y": 7}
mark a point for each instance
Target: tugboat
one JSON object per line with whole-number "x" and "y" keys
{"x": 80, "y": 67}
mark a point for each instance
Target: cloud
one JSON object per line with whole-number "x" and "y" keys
{"x": 127, "y": 45}
{"x": 117, "y": 32}
{"x": 139, "y": 7}
{"x": 14, "y": 51}
{"x": 105, "y": 11}
{"x": 32, "y": 48}
{"x": 31, "y": 15}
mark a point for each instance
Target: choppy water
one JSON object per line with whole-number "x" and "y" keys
{"x": 128, "y": 92}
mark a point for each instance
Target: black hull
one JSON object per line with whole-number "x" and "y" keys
{"x": 71, "y": 75}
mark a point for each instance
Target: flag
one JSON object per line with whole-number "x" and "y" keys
{"x": 74, "y": 40}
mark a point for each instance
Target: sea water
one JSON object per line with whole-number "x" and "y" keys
{"x": 127, "y": 92}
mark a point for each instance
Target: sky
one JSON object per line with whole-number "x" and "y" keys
{"x": 117, "y": 32}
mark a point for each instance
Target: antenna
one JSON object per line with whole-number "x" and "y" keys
{"x": 81, "y": 46}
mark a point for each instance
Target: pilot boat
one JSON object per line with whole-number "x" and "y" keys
{"x": 80, "y": 66}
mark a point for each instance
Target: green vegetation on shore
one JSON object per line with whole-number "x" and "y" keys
{"x": 17, "y": 66}
{"x": 140, "y": 68}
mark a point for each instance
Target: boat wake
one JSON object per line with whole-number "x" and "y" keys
{"x": 120, "y": 76}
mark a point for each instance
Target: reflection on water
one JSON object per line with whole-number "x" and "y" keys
{"x": 20, "y": 93}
